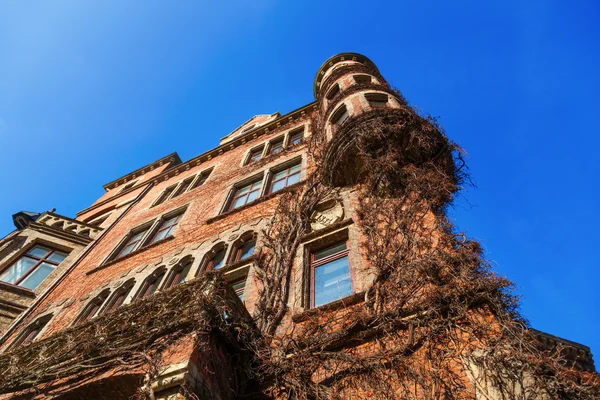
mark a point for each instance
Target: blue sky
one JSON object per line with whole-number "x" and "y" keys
{"x": 92, "y": 90}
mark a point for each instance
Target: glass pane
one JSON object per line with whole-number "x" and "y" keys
{"x": 247, "y": 249}
{"x": 242, "y": 190}
{"x": 15, "y": 271}
{"x": 238, "y": 287}
{"x": 128, "y": 249}
{"x": 217, "y": 260}
{"x": 332, "y": 281}
{"x": 160, "y": 235}
{"x": 278, "y": 185}
{"x": 329, "y": 251}
{"x": 37, "y": 276}
{"x": 279, "y": 175}
{"x": 294, "y": 178}
{"x": 240, "y": 201}
{"x": 253, "y": 195}
{"x": 38, "y": 251}
{"x": 295, "y": 168}
{"x": 183, "y": 274}
{"x": 136, "y": 237}
{"x": 257, "y": 185}
{"x": 57, "y": 257}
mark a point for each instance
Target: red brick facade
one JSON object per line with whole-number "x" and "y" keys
{"x": 201, "y": 191}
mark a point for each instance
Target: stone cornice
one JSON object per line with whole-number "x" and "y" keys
{"x": 172, "y": 158}
{"x": 60, "y": 233}
{"x": 292, "y": 116}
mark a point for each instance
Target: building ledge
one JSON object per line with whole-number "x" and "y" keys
{"x": 17, "y": 289}
{"x": 334, "y": 305}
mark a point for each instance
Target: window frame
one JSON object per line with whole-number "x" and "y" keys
{"x": 152, "y": 283}
{"x": 176, "y": 272}
{"x": 165, "y": 195}
{"x": 258, "y": 150}
{"x": 36, "y": 328}
{"x": 333, "y": 91}
{"x": 286, "y": 166}
{"x": 361, "y": 79}
{"x": 338, "y": 114}
{"x": 122, "y": 291}
{"x": 200, "y": 179}
{"x": 314, "y": 264}
{"x": 241, "y": 185}
{"x": 158, "y": 226}
{"x": 38, "y": 262}
{"x": 375, "y": 100}
{"x": 94, "y": 306}
{"x": 145, "y": 228}
{"x": 292, "y": 134}
{"x": 238, "y": 246}
{"x": 280, "y": 141}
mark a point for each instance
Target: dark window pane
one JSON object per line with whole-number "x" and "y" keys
{"x": 247, "y": 249}
{"x": 332, "y": 281}
{"x": 329, "y": 251}
{"x": 217, "y": 260}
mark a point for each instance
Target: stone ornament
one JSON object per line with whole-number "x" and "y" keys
{"x": 326, "y": 214}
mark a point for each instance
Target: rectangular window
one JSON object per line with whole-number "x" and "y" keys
{"x": 255, "y": 155}
{"x": 201, "y": 179}
{"x": 245, "y": 194}
{"x": 362, "y": 79}
{"x": 285, "y": 178}
{"x": 166, "y": 228}
{"x": 183, "y": 187}
{"x": 133, "y": 243}
{"x": 165, "y": 195}
{"x": 377, "y": 100}
{"x": 330, "y": 274}
{"x": 33, "y": 267}
{"x": 276, "y": 146}
{"x": 340, "y": 115}
{"x": 296, "y": 138}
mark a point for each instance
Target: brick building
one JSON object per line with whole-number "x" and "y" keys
{"x": 218, "y": 277}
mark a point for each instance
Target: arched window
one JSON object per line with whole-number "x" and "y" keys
{"x": 215, "y": 258}
{"x": 151, "y": 283}
{"x": 244, "y": 247}
{"x": 93, "y": 306}
{"x": 119, "y": 297}
{"x": 331, "y": 93}
{"x": 362, "y": 79}
{"x": 377, "y": 100}
{"x": 32, "y": 331}
{"x": 179, "y": 273}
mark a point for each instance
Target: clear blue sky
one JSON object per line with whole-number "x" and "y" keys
{"x": 89, "y": 92}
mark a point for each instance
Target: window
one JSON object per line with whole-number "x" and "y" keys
{"x": 93, "y": 306}
{"x": 285, "y": 178}
{"x": 330, "y": 274}
{"x": 276, "y": 146}
{"x": 216, "y": 258}
{"x": 243, "y": 249}
{"x": 119, "y": 297}
{"x": 127, "y": 186}
{"x": 151, "y": 284}
{"x": 178, "y": 274}
{"x": 245, "y": 194}
{"x": 362, "y": 79}
{"x": 335, "y": 89}
{"x": 296, "y": 137}
{"x": 166, "y": 228}
{"x": 255, "y": 155}
{"x": 165, "y": 195}
{"x": 133, "y": 242}
{"x": 183, "y": 187}
{"x": 377, "y": 100}
{"x": 239, "y": 287}
{"x": 99, "y": 221}
{"x": 340, "y": 115}
{"x": 32, "y": 331}
{"x": 201, "y": 179}
{"x": 33, "y": 267}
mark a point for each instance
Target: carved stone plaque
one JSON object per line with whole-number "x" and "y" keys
{"x": 326, "y": 214}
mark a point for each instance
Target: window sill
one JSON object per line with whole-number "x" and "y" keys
{"x": 253, "y": 203}
{"x": 334, "y": 305}
{"x": 9, "y": 287}
{"x": 133, "y": 253}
